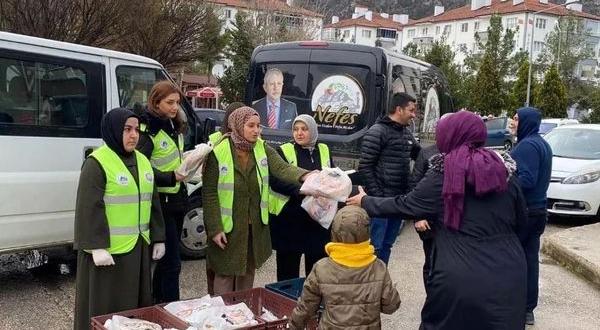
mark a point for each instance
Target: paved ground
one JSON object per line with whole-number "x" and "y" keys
{"x": 43, "y": 299}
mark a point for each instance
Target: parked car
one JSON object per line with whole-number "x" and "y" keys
{"x": 549, "y": 124}
{"x": 498, "y": 134}
{"x": 575, "y": 183}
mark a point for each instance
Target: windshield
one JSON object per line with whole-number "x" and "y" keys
{"x": 134, "y": 84}
{"x": 546, "y": 127}
{"x": 575, "y": 143}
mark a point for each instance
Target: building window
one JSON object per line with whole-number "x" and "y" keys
{"x": 424, "y": 31}
{"x": 511, "y": 23}
{"x": 346, "y": 33}
{"x": 437, "y": 30}
{"x": 538, "y": 46}
{"x": 227, "y": 13}
{"x": 411, "y": 33}
{"x": 366, "y": 34}
{"x": 447, "y": 29}
{"x": 476, "y": 27}
{"x": 389, "y": 34}
{"x": 540, "y": 23}
{"x": 464, "y": 27}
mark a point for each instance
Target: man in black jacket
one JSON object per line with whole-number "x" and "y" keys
{"x": 387, "y": 149}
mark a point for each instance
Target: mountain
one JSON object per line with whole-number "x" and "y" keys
{"x": 415, "y": 8}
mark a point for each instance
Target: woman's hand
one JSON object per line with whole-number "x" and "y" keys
{"x": 179, "y": 177}
{"x": 356, "y": 199}
{"x": 305, "y": 176}
{"x": 422, "y": 225}
{"x": 221, "y": 240}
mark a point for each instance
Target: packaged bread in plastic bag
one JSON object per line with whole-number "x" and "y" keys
{"x": 331, "y": 183}
{"x": 193, "y": 160}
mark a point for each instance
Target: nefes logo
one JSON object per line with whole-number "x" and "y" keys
{"x": 122, "y": 179}
{"x": 337, "y": 101}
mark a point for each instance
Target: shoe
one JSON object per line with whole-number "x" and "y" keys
{"x": 529, "y": 318}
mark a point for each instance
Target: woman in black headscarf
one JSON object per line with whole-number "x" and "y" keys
{"x": 113, "y": 232}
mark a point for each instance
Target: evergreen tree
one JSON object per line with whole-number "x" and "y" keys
{"x": 239, "y": 50}
{"x": 411, "y": 49}
{"x": 489, "y": 95}
{"x": 518, "y": 93}
{"x": 441, "y": 55}
{"x": 552, "y": 98}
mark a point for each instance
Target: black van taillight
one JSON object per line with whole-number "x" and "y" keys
{"x": 314, "y": 44}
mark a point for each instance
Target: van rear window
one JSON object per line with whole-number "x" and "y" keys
{"x": 334, "y": 95}
{"x": 134, "y": 84}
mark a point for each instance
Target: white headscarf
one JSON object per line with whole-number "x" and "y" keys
{"x": 312, "y": 129}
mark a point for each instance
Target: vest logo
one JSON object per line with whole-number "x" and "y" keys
{"x": 149, "y": 177}
{"x": 264, "y": 162}
{"x": 223, "y": 170}
{"x": 122, "y": 179}
{"x": 164, "y": 144}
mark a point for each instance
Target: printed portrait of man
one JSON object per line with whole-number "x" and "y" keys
{"x": 275, "y": 112}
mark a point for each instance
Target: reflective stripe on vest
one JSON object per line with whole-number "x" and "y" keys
{"x": 166, "y": 156}
{"x": 276, "y": 200}
{"x": 127, "y": 206}
{"x": 225, "y": 185}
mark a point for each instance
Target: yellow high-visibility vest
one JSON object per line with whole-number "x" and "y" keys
{"x": 276, "y": 200}
{"x": 127, "y": 204}
{"x": 166, "y": 156}
{"x": 226, "y": 181}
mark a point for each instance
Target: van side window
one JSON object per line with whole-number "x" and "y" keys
{"x": 134, "y": 84}
{"x": 42, "y": 94}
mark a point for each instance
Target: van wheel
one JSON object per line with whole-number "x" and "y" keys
{"x": 508, "y": 145}
{"x": 193, "y": 239}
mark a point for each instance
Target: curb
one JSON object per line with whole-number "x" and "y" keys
{"x": 570, "y": 259}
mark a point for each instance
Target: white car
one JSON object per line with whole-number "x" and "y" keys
{"x": 549, "y": 124}
{"x": 575, "y": 184}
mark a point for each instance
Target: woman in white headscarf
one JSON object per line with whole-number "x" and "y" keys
{"x": 293, "y": 232}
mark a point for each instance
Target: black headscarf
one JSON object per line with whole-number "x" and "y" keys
{"x": 113, "y": 124}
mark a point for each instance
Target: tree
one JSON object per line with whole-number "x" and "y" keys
{"x": 239, "y": 51}
{"x": 552, "y": 95}
{"x": 566, "y": 46}
{"x": 441, "y": 55}
{"x": 491, "y": 68}
{"x": 411, "y": 49}
{"x": 173, "y": 32}
{"x": 518, "y": 93}
{"x": 88, "y": 22}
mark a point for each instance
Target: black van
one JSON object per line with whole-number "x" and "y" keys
{"x": 346, "y": 87}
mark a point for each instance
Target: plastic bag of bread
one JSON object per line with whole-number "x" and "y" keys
{"x": 193, "y": 160}
{"x": 118, "y": 322}
{"x": 332, "y": 183}
{"x": 320, "y": 209}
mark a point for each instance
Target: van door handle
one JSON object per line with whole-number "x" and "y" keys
{"x": 87, "y": 150}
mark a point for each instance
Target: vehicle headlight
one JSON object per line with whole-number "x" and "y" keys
{"x": 582, "y": 178}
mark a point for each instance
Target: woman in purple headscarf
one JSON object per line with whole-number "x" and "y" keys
{"x": 478, "y": 273}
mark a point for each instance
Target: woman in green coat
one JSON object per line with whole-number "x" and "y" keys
{"x": 235, "y": 200}
{"x": 116, "y": 238}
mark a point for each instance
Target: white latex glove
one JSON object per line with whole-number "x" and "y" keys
{"x": 102, "y": 258}
{"x": 158, "y": 251}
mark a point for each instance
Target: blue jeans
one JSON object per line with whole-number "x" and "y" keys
{"x": 531, "y": 245}
{"x": 383, "y": 235}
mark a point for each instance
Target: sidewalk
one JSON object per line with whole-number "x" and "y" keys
{"x": 578, "y": 249}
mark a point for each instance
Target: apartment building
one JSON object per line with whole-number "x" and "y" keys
{"x": 367, "y": 28}
{"x": 529, "y": 18}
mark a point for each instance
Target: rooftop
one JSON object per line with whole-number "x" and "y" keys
{"x": 377, "y": 21}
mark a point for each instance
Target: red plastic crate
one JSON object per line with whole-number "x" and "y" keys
{"x": 153, "y": 314}
{"x": 277, "y": 304}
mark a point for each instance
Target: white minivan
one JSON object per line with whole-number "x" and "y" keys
{"x": 52, "y": 98}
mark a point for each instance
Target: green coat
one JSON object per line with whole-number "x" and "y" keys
{"x": 246, "y": 210}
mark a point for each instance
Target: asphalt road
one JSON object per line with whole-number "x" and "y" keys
{"x": 44, "y": 299}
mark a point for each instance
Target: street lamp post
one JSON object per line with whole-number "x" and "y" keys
{"x": 532, "y": 42}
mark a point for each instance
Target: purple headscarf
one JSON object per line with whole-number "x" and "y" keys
{"x": 461, "y": 137}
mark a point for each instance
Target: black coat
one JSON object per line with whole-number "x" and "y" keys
{"x": 478, "y": 273}
{"x": 293, "y": 230}
{"x": 385, "y": 156}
